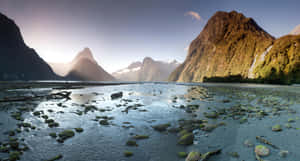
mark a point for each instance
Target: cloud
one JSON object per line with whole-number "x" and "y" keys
{"x": 187, "y": 48}
{"x": 195, "y": 15}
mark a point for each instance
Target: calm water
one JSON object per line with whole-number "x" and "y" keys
{"x": 145, "y": 105}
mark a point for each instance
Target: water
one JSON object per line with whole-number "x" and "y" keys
{"x": 156, "y": 103}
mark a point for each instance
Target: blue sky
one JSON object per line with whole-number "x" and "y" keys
{"x": 122, "y": 31}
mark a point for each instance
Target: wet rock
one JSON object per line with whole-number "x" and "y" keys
{"x": 182, "y": 154}
{"x": 131, "y": 143}
{"x": 17, "y": 116}
{"x": 36, "y": 113}
{"x": 193, "y": 156}
{"x": 283, "y": 153}
{"x": 208, "y": 127}
{"x": 53, "y": 135}
{"x": 291, "y": 120}
{"x": 4, "y": 149}
{"x": 53, "y": 124}
{"x": 211, "y": 115}
{"x": 116, "y": 95}
{"x": 128, "y": 153}
{"x": 288, "y": 126}
{"x": 14, "y": 155}
{"x": 66, "y": 134}
{"x": 140, "y": 137}
{"x": 234, "y": 154}
{"x": 14, "y": 144}
{"x": 261, "y": 150}
{"x": 186, "y": 139}
{"x": 243, "y": 120}
{"x": 104, "y": 122}
{"x": 56, "y": 158}
{"x": 79, "y": 130}
{"x": 161, "y": 127}
{"x": 248, "y": 143}
{"x": 276, "y": 128}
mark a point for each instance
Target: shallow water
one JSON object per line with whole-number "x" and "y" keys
{"x": 156, "y": 104}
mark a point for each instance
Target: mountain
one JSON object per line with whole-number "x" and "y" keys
{"x": 17, "y": 60}
{"x": 227, "y": 46}
{"x": 295, "y": 31}
{"x": 148, "y": 70}
{"x": 83, "y": 67}
{"x": 282, "y": 62}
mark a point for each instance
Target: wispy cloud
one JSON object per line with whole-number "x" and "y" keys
{"x": 187, "y": 48}
{"x": 193, "y": 14}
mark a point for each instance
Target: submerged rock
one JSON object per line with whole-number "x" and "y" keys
{"x": 276, "y": 128}
{"x": 55, "y": 158}
{"x": 140, "y": 137}
{"x": 128, "y": 153}
{"x": 116, "y": 95}
{"x": 79, "y": 130}
{"x": 131, "y": 143}
{"x": 161, "y": 127}
{"x": 283, "y": 153}
{"x": 14, "y": 155}
{"x": 193, "y": 156}
{"x": 261, "y": 150}
{"x": 182, "y": 154}
{"x": 66, "y": 134}
{"x": 186, "y": 139}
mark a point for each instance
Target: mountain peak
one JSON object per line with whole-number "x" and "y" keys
{"x": 147, "y": 60}
{"x": 222, "y": 25}
{"x": 295, "y": 31}
{"x": 85, "y": 54}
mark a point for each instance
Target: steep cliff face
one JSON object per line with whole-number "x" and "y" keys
{"x": 85, "y": 68}
{"x": 17, "y": 61}
{"x": 148, "y": 70}
{"x": 282, "y": 62}
{"x": 227, "y": 46}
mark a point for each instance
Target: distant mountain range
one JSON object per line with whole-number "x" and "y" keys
{"x": 17, "y": 60}
{"x": 232, "y": 45}
{"x": 148, "y": 70}
{"x": 82, "y": 67}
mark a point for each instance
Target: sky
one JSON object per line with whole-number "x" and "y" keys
{"x": 119, "y": 32}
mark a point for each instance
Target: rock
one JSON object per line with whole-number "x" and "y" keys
{"x": 276, "y": 128}
{"x": 211, "y": 115}
{"x": 131, "y": 143}
{"x": 193, "y": 156}
{"x": 56, "y": 158}
{"x": 104, "y": 122}
{"x": 291, "y": 120}
{"x": 53, "y": 135}
{"x": 161, "y": 127}
{"x": 128, "y": 153}
{"x": 53, "y": 124}
{"x": 186, "y": 139}
{"x": 79, "y": 130}
{"x": 36, "y": 113}
{"x": 248, "y": 143}
{"x": 140, "y": 137}
{"x": 66, "y": 134}
{"x": 208, "y": 127}
{"x": 182, "y": 154}
{"x": 283, "y": 153}
{"x": 234, "y": 154}
{"x": 116, "y": 95}
{"x": 14, "y": 144}
{"x": 261, "y": 150}
{"x": 14, "y": 155}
